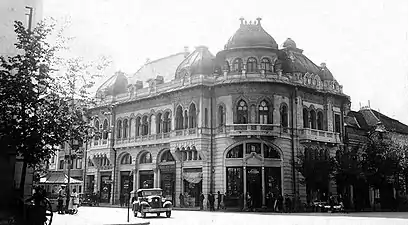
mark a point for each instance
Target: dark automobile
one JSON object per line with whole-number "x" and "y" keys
{"x": 151, "y": 201}
{"x": 87, "y": 199}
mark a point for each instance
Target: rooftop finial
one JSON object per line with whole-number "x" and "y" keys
{"x": 242, "y": 20}
{"x": 259, "y": 20}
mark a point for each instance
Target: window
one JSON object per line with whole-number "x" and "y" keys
{"x": 29, "y": 17}
{"x": 179, "y": 118}
{"x": 79, "y": 163}
{"x": 319, "y": 120}
{"x": 52, "y": 159}
{"x": 234, "y": 181}
{"x": 266, "y": 65}
{"x": 167, "y": 122}
{"x": 131, "y": 127}
{"x": 146, "y": 158}
{"x": 226, "y": 66}
{"x": 119, "y": 129}
{"x": 125, "y": 128}
{"x": 253, "y": 147}
{"x": 193, "y": 116}
{"x": 263, "y": 113}
{"x": 167, "y": 157}
{"x": 251, "y": 65}
{"x": 221, "y": 115}
{"x": 337, "y": 127}
{"x": 159, "y": 123}
{"x": 138, "y": 127}
{"x": 90, "y": 163}
{"x": 237, "y": 65}
{"x": 97, "y": 129}
{"x": 145, "y": 126}
{"x": 284, "y": 115}
{"x": 242, "y": 111}
{"x": 270, "y": 152}
{"x": 105, "y": 129}
{"x": 236, "y": 152}
{"x": 126, "y": 159}
{"x": 185, "y": 119}
{"x": 313, "y": 119}
{"x": 305, "y": 118}
{"x": 61, "y": 164}
{"x": 206, "y": 117}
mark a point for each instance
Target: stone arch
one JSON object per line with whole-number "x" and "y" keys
{"x": 141, "y": 154}
{"x": 161, "y": 153}
{"x": 227, "y": 149}
{"x": 235, "y": 107}
{"x": 121, "y": 157}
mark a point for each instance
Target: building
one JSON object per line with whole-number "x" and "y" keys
{"x": 29, "y": 12}
{"x": 233, "y": 122}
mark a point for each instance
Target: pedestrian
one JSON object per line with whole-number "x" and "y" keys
{"x": 61, "y": 199}
{"x": 288, "y": 204}
{"x": 181, "y": 198}
{"x": 202, "y": 197}
{"x": 249, "y": 201}
{"x": 219, "y": 198}
{"x": 241, "y": 201}
{"x": 121, "y": 199}
{"x": 37, "y": 214}
{"x": 72, "y": 205}
{"x": 98, "y": 198}
{"x": 211, "y": 201}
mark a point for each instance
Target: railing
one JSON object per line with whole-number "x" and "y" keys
{"x": 254, "y": 129}
{"x": 309, "y": 134}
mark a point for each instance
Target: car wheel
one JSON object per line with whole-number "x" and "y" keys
{"x": 168, "y": 214}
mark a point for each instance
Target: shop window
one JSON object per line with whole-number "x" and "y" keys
{"x": 167, "y": 157}
{"x": 193, "y": 116}
{"x": 264, "y": 113}
{"x": 234, "y": 181}
{"x": 126, "y": 159}
{"x": 319, "y": 120}
{"x": 266, "y": 65}
{"x": 253, "y": 147}
{"x": 242, "y": 112}
{"x": 252, "y": 65}
{"x": 270, "y": 152}
{"x": 237, "y": 65}
{"x": 179, "y": 118}
{"x": 146, "y": 158}
{"x": 313, "y": 119}
{"x": 284, "y": 115}
{"x": 236, "y": 152}
{"x": 305, "y": 118}
{"x": 337, "y": 127}
{"x": 119, "y": 129}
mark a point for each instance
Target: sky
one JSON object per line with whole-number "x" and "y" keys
{"x": 363, "y": 42}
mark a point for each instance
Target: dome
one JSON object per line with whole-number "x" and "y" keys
{"x": 251, "y": 35}
{"x": 289, "y": 43}
{"x": 116, "y": 84}
{"x": 200, "y": 61}
{"x": 325, "y": 73}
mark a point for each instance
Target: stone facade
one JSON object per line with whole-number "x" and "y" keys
{"x": 232, "y": 123}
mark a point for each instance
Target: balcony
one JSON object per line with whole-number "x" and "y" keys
{"x": 255, "y": 130}
{"x": 308, "y": 134}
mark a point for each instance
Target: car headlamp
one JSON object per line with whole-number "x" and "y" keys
{"x": 149, "y": 200}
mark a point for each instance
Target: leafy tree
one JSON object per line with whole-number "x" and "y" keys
{"x": 347, "y": 166}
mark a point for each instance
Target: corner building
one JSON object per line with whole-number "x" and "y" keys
{"x": 233, "y": 123}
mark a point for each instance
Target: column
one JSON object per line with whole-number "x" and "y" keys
{"x": 97, "y": 181}
{"x": 137, "y": 179}
{"x": 158, "y": 178}
{"x": 155, "y": 178}
{"x": 135, "y": 176}
{"x": 245, "y": 186}
{"x": 263, "y": 187}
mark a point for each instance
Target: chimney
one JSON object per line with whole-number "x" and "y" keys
{"x": 369, "y": 106}
{"x": 139, "y": 84}
{"x": 186, "y": 51}
{"x": 159, "y": 80}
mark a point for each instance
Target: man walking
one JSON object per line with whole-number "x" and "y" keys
{"x": 219, "y": 198}
{"x": 61, "y": 199}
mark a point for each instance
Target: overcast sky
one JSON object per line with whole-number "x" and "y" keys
{"x": 364, "y": 43}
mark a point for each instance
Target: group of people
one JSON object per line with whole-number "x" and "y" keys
{"x": 65, "y": 205}
{"x": 211, "y": 198}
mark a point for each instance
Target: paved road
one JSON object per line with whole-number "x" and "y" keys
{"x": 101, "y": 215}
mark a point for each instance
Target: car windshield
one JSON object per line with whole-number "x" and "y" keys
{"x": 151, "y": 192}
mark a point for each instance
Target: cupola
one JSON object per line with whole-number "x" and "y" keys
{"x": 200, "y": 61}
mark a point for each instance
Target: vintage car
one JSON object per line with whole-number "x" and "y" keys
{"x": 150, "y": 200}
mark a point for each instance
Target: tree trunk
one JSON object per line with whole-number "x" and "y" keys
{"x": 22, "y": 179}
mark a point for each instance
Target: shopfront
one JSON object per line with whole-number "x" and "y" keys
{"x": 105, "y": 188}
{"x": 192, "y": 185}
{"x": 90, "y": 184}
{"x": 146, "y": 179}
{"x": 126, "y": 182}
{"x": 167, "y": 181}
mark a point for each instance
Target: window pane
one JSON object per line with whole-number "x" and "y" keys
{"x": 234, "y": 181}
{"x": 253, "y": 147}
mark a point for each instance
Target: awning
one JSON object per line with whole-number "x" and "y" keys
{"x": 193, "y": 177}
{"x": 58, "y": 178}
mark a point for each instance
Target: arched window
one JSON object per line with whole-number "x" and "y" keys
{"x": 264, "y": 113}
{"x": 97, "y": 129}
{"x": 119, "y": 129}
{"x": 126, "y": 159}
{"x": 159, "y": 123}
{"x": 242, "y": 112}
{"x": 167, "y": 157}
{"x": 305, "y": 118}
{"x": 125, "y": 128}
{"x": 179, "y": 118}
{"x": 138, "y": 126}
{"x": 185, "y": 119}
{"x": 266, "y": 65}
{"x": 313, "y": 119}
{"x": 270, "y": 152}
{"x": 237, "y": 65}
{"x": 105, "y": 129}
{"x": 319, "y": 120}
{"x": 146, "y": 158}
{"x": 252, "y": 65}
{"x": 236, "y": 152}
{"x": 226, "y": 66}
{"x": 221, "y": 115}
{"x": 167, "y": 122}
{"x": 284, "y": 115}
{"x": 193, "y": 114}
{"x": 145, "y": 125}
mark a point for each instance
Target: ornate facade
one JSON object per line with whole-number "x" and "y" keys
{"x": 232, "y": 123}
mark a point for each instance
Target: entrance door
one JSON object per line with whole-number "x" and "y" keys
{"x": 254, "y": 185}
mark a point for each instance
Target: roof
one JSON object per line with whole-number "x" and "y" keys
{"x": 201, "y": 61}
{"x": 165, "y": 67}
{"x": 375, "y": 118}
{"x": 251, "y": 35}
{"x": 356, "y": 119}
{"x": 116, "y": 84}
{"x": 58, "y": 178}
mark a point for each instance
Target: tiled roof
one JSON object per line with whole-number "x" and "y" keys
{"x": 358, "y": 119}
{"x": 58, "y": 178}
{"x": 373, "y": 118}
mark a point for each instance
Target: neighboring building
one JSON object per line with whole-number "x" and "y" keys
{"x": 359, "y": 127}
{"x": 29, "y": 12}
{"x": 232, "y": 123}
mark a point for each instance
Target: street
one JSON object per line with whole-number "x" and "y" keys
{"x": 104, "y": 215}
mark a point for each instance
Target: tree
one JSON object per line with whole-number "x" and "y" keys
{"x": 347, "y": 166}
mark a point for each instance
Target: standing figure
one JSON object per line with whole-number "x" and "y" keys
{"x": 121, "y": 199}
{"x": 181, "y": 198}
{"x": 73, "y": 202}
{"x": 202, "y": 197}
{"x": 211, "y": 201}
{"x": 219, "y": 198}
{"x": 249, "y": 202}
{"x": 61, "y": 199}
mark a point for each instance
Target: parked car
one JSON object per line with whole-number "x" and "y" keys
{"x": 86, "y": 199}
{"x": 150, "y": 200}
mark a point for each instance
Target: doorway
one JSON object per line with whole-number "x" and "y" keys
{"x": 254, "y": 185}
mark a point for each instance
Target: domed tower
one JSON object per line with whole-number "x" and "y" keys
{"x": 250, "y": 50}
{"x": 200, "y": 61}
{"x": 115, "y": 85}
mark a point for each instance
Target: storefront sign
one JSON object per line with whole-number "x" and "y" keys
{"x": 167, "y": 168}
